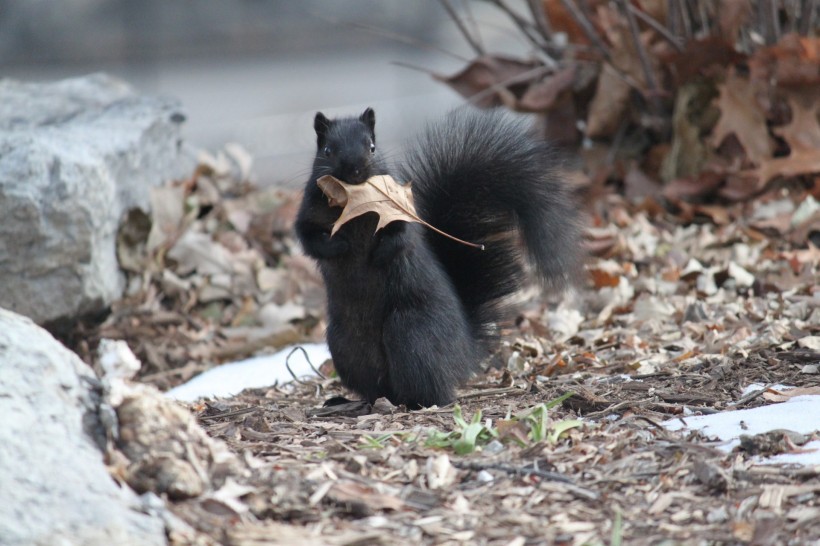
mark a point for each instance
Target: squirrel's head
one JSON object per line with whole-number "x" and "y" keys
{"x": 346, "y": 147}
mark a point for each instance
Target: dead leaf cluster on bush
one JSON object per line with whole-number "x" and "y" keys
{"x": 703, "y": 100}
{"x": 212, "y": 275}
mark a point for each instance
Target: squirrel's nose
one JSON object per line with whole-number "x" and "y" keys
{"x": 356, "y": 175}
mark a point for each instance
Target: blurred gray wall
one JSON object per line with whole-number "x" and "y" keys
{"x": 256, "y": 71}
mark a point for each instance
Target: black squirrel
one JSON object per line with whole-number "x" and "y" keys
{"x": 412, "y": 314}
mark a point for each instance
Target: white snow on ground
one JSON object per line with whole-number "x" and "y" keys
{"x": 799, "y": 414}
{"x": 257, "y": 372}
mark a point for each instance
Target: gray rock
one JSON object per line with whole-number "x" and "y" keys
{"x": 55, "y": 487}
{"x": 75, "y": 156}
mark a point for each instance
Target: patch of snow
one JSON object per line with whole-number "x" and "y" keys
{"x": 258, "y": 372}
{"x": 758, "y": 386}
{"x": 799, "y": 414}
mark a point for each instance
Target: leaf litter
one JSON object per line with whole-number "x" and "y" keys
{"x": 561, "y": 443}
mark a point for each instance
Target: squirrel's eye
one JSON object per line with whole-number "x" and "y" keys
{"x": 327, "y": 151}
{"x": 372, "y": 148}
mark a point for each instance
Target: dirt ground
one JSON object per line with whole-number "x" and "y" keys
{"x": 560, "y": 443}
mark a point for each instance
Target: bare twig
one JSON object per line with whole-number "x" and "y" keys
{"x": 705, "y": 20}
{"x": 552, "y": 476}
{"x": 524, "y": 76}
{"x": 472, "y": 40}
{"x": 539, "y": 15}
{"x": 686, "y": 22}
{"x": 774, "y": 20}
{"x": 395, "y": 36}
{"x": 226, "y": 414}
{"x": 412, "y": 66}
{"x": 643, "y": 56}
{"x": 312, "y": 367}
{"x": 492, "y": 392}
{"x": 587, "y": 27}
{"x": 528, "y": 31}
{"x": 616, "y": 408}
{"x": 470, "y": 18}
{"x": 401, "y": 38}
{"x": 751, "y": 396}
{"x": 657, "y": 27}
{"x": 808, "y": 10}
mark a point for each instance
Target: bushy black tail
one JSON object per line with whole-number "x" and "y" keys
{"x": 480, "y": 176}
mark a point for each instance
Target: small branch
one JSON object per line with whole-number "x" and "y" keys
{"x": 775, "y": 20}
{"x": 685, "y": 20}
{"x": 524, "y": 76}
{"x": 412, "y": 66}
{"x": 401, "y": 38}
{"x": 539, "y": 15}
{"x": 227, "y": 414}
{"x": 528, "y": 31}
{"x": 751, "y": 396}
{"x": 657, "y": 27}
{"x": 577, "y": 490}
{"x": 651, "y": 83}
{"x": 474, "y": 43}
{"x": 492, "y": 392}
{"x": 587, "y": 27}
{"x": 705, "y": 20}
{"x": 304, "y": 352}
{"x": 807, "y": 14}
{"x": 470, "y": 18}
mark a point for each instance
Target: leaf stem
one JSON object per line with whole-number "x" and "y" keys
{"x": 417, "y": 218}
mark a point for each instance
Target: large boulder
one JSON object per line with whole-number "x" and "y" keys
{"x": 54, "y": 483}
{"x": 75, "y": 156}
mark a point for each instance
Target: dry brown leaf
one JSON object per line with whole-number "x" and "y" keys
{"x": 704, "y": 184}
{"x": 700, "y": 57}
{"x": 794, "y": 60}
{"x": 542, "y": 96}
{"x": 775, "y": 395}
{"x": 608, "y": 106}
{"x": 802, "y": 134}
{"x": 349, "y": 492}
{"x": 732, "y": 16}
{"x": 493, "y": 76}
{"x": 380, "y": 194}
{"x": 741, "y": 116}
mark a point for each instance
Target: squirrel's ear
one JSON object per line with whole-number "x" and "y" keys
{"x": 321, "y": 124}
{"x": 369, "y": 119}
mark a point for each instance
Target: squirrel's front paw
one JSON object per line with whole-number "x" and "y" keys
{"x": 327, "y": 247}
{"x": 390, "y": 243}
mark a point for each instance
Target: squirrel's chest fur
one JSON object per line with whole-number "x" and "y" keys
{"x": 358, "y": 304}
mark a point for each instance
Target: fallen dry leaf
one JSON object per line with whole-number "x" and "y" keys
{"x": 741, "y": 116}
{"x": 793, "y": 61}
